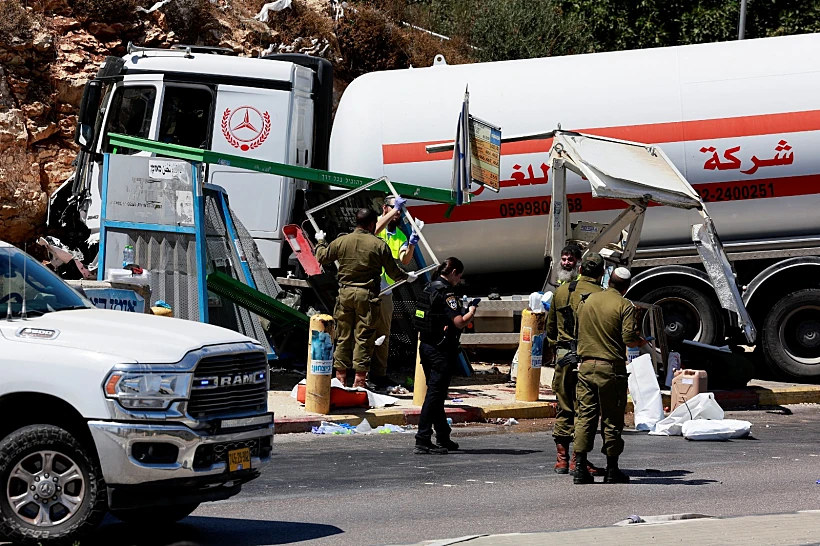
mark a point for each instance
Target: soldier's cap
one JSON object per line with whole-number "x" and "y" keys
{"x": 592, "y": 260}
{"x": 622, "y": 273}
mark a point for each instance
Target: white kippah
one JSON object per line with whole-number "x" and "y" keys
{"x": 622, "y": 273}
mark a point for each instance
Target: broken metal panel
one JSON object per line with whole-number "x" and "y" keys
{"x": 405, "y": 215}
{"x": 559, "y": 226}
{"x": 627, "y": 218}
{"x": 627, "y": 170}
{"x": 721, "y": 274}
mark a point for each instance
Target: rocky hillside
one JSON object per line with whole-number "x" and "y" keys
{"x": 49, "y": 49}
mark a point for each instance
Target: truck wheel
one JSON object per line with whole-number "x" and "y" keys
{"x": 791, "y": 334}
{"x": 156, "y": 514}
{"x": 689, "y": 310}
{"x": 52, "y": 488}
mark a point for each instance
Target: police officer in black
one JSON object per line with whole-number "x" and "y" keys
{"x": 442, "y": 319}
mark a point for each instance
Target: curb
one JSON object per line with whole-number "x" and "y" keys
{"x": 736, "y": 399}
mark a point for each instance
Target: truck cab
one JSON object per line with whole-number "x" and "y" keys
{"x": 140, "y": 416}
{"x": 277, "y": 110}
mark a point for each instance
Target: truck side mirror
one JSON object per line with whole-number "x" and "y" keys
{"x": 89, "y": 108}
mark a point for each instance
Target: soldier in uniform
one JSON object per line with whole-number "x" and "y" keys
{"x": 361, "y": 256}
{"x": 562, "y": 334}
{"x": 568, "y": 270}
{"x": 444, "y": 318}
{"x": 607, "y": 325}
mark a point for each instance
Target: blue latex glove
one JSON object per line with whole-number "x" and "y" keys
{"x": 414, "y": 239}
{"x": 475, "y": 302}
{"x": 399, "y": 202}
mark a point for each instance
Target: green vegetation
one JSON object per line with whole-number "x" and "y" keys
{"x": 511, "y": 29}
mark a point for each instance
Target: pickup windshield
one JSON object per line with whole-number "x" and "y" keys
{"x": 23, "y": 278}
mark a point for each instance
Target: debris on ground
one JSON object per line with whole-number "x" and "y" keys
{"x": 364, "y": 427}
{"x": 396, "y": 389}
{"x": 505, "y": 422}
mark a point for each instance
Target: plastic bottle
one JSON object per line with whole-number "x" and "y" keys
{"x": 449, "y": 420}
{"x": 127, "y": 255}
{"x": 632, "y": 353}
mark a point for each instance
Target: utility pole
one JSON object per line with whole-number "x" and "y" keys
{"x": 741, "y": 26}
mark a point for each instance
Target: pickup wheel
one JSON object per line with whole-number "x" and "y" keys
{"x": 791, "y": 335}
{"x": 690, "y": 311}
{"x": 52, "y": 488}
{"x": 156, "y": 514}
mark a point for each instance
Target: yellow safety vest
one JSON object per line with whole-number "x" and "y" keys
{"x": 395, "y": 241}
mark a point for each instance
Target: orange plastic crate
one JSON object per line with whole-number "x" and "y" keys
{"x": 339, "y": 398}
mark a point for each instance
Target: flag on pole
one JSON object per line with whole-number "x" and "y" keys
{"x": 461, "y": 154}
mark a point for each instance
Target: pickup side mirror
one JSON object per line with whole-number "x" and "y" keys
{"x": 89, "y": 108}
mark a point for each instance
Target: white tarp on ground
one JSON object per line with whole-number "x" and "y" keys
{"x": 720, "y": 429}
{"x": 701, "y": 418}
{"x": 701, "y": 406}
{"x": 374, "y": 400}
{"x": 645, "y": 392}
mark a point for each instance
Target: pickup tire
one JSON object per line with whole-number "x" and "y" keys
{"x": 791, "y": 335}
{"x": 52, "y": 488}
{"x": 692, "y": 310}
{"x": 155, "y": 514}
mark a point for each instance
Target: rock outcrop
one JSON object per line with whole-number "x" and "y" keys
{"x": 50, "y": 48}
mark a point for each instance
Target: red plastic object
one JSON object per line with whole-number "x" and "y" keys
{"x": 339, "y": 398}
{"x": 302, "y": 248}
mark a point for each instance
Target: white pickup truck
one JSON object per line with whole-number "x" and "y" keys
{"x": 105, "y": 411}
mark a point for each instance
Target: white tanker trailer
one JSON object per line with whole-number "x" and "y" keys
{"x": 740, "y": 120}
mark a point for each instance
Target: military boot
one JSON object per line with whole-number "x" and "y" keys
{"x": 613, "y": 473}
{"x": 582, "y": 474}
{"x": 360, "y": 380}
{"x": 561, "y": 452}
{"x": 594, "y": 470}
{"x": 447, "y": 444}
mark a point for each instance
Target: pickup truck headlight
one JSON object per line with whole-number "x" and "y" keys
{"x": 147, "y": 391}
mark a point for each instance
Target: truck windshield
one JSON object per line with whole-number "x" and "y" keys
{"x": 22, "y": 277}
{"x": 130, "y": 114}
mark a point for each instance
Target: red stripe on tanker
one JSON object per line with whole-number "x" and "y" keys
{"x": 584, "y": 202}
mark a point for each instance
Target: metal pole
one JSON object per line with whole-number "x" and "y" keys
{"x": 741, "y": 26}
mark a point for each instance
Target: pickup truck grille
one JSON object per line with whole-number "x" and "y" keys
{"x": 229, "y": 384}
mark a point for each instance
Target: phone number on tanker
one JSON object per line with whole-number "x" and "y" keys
{"x": 715, "y": 192}
{"x": 535, "y": 207}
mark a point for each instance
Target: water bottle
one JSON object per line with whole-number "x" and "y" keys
{"x": 632, "y": 353}
{"x": 127, "y": 255}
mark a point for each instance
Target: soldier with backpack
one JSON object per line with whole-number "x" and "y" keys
{"x": 562, "y": 334}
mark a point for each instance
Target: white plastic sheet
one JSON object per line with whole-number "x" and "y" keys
{"x": 702, "y": 406}
{"x": 718, "y": 429}
{"x": 278, "y": 5}
{"x": 646, "y": 394}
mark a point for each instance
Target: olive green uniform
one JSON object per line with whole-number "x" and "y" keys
{"x": 361, "y": 256}
{"x": 559, "y": 335}
{"x": 606, "y": 323}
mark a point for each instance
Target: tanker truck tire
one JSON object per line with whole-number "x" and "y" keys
{"x": 791, "y": 335}
{"x": 693, "y": 311}
{"x": 155, "y": 514}
{"x": 52, "y": 487}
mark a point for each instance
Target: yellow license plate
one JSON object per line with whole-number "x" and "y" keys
{"x": 239, "y": 459}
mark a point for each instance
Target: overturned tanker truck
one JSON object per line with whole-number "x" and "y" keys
{"x": 739, "y": 120}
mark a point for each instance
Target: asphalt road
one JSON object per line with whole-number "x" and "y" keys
{"x": 342, "y": 490}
